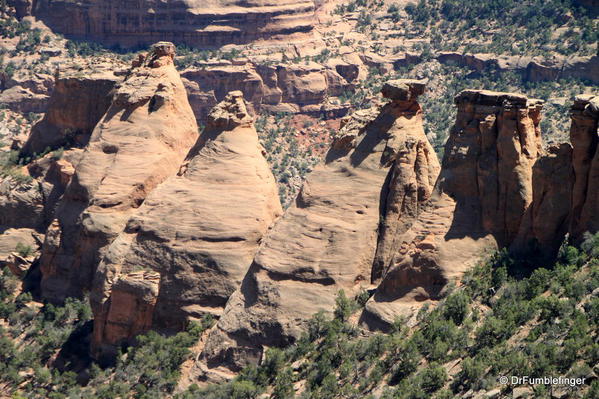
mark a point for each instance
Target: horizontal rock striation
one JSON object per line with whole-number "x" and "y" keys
{"x": 273, "y": 88}
{"x": 197, "y": 23}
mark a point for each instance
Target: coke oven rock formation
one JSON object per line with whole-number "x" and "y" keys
{"x": 327, "y": 240}
{"x": 142, "y": 139}
{"x": 188, "y": 247}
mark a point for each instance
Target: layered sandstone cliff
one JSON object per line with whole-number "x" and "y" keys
{"x": 478, "y": 203}
{"x": 74, "y": 109}
{"x": 149, "y": 115}
{"x": 272, "y": 88}
{"x": 198, "y": 23}
{"x": 327, "y": 240}
{"x": 195, "y": 235}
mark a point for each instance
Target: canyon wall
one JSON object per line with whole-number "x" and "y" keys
{"x": 75, "y": 107}
{"x": 271, "y": 88}
{"x": 197, "y": 23}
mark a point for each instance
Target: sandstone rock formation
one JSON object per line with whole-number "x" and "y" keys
{"x": 149, "y": 115}
{"x": 483, "y": 191}
{"x": 327, "y": 240}
{"x": 585, "y": 161}
{"x": 274, "y": 88}
{"x": 198, "y": 23}
{"x": 196, "y": 234}
{"x": 547, "y": 219}
{"x": 23, "y": 100}
{"x": 74, "y": 109}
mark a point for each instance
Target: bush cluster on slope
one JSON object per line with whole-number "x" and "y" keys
{"x": 503, "y": 320}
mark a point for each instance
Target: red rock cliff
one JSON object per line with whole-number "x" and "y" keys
{"x": 200, "y": 23}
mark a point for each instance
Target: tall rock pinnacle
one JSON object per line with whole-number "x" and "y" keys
{"x": 327, "y": 240}
{"x": 478, "y": 203}
{"x": 188, "y": 247}
{"x": 141, "y": 140}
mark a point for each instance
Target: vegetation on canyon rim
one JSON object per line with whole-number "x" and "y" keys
{"x": 507, "y": 317}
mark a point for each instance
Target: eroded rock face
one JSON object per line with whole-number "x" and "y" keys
{"x": 274, "y": 88}
{"x": 197, "y": 232}
{"x": 478, "y": 203}
{"x": 547, "y": 219}
{"x": 327, "y": 240}
{"x": 585, "y": 160}
{"x": 140, "y": 141}
{"x": 198, "y": 23}
{"x": 489, "y": 157}
{"x": 74, "y": 109}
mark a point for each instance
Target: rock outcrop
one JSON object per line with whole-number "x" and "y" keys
{"x": 193, "y": 22}
{"x": 149, "y": 115}
{"x": 547, "y": 220}
{"x": 478, "y": 203}
{"x": 534, "y": 69}
{"x": 327, "y": 240}
{"x": 585, "y": 161}
{"x": 74, "y": 109}
{"x": 276, "y": 88}
{"x": 196, "y": 233}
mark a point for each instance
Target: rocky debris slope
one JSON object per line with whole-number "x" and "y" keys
{"x": 327, "y": 240}
{"x": 149, "y": 115}
{"x": 194, "y": 237}
{"x": 193, "y": 22}
{"x": 484, "y": 188}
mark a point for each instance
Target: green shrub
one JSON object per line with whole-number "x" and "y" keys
{"x": 24, "y": 250}
{"x": 433, "y": 378}
{"x": 456, "y": 307}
